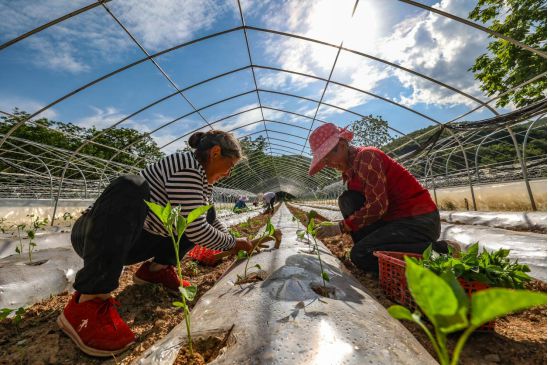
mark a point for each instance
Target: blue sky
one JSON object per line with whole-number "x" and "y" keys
{"x": 52, "y": 63}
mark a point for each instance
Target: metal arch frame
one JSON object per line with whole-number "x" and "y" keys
{"x": 101, "y": 3}
{"x": 525, "y": 177}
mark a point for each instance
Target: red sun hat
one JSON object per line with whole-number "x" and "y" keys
{"x": 322, "y": 141}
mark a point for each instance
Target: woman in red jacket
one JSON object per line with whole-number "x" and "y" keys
{"x": 384, "y": 207}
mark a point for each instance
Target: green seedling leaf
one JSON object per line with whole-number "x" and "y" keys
{"x": 5, "y": 312}
{"x": 493, "y": 303}
{"x": 192, "y": 216}
{"x": 18, "y": 250}
{"x": 156, "y": 209}
{"x": 258, "y": 266}
{"x": 178, "y": 304}
{"x": 326, "y": 224}
{"x": 166, "y": 213}
{"x": 241, "y": 255}
{"x": 181, "y": 226}
{"x": 325, "y": 276}
{"x": 31, "y": 234}
{"x": 427, "y": 253}
{"x": 188, "y": 292}
{"x": 310, "y": 227}
{"x": 400, "y": 312}
{"x": 269, "y": 229}
{"x": 432, "y": 294}
{"x": 312, "y": 214}
{"x": 459, "y": 320}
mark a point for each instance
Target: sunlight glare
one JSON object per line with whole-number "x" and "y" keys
{"x": 332, "y": 350}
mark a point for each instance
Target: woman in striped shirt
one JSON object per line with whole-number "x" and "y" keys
{"x": 119, "y": 230}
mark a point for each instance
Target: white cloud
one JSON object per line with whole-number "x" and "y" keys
{"x": 440, "y": 48}
{"x": 164, "y": 23}
{"x": 102, "y": 118}
{"x": 9, "y": 103}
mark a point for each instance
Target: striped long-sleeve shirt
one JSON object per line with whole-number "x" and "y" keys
{"x": 180, "y": 179}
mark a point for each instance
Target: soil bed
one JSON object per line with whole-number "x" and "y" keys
{"x": 518, "y": 339}
{"x": 148, "y": 311}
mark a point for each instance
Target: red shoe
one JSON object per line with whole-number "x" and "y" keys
{"x": 166, "y": 276}
{"x": 95, "y": 326}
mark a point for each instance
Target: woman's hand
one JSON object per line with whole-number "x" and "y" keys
{"x": 242, "y": 244}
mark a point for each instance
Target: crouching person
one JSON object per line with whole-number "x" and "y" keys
{"x": 119, "y": 230}
{"x": 384, "y": 207}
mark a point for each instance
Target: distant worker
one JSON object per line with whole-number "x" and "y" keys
{"x": 119, "y": 229}
{"x": 384, "y": 207}
{"x": 269, "y": 199}
{"x": 240, "y": 203}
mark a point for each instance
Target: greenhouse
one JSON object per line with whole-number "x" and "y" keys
{"x": 273, "y": 182}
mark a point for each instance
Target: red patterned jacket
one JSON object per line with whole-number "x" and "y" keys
{"x": 390, "y": 191}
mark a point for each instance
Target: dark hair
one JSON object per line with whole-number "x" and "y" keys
{"x": 201, "y": 142}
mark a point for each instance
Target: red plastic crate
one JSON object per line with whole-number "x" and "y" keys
{"x": 203, "y": 255}
{"x": 394, "y": 284}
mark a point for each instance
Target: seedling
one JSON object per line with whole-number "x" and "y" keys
{"x": 234, "y": 233}
{"x": 67, "y": 217}
{"x": 35, "y": 225}
{"x": 175, "y": 224}
{"x": 267, "y": 233}
{"x": 192, "y": 266}
{"x": 20, "y": 229}
{"x": 312, "y": 230}
{"x": 447, "y": 306}
{"x": 18, "y": 315}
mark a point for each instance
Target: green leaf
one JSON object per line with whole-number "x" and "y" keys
{"x": 192, "y": 216}
{"x": 427, "y": 253}
{"x": 326, "y": 224}
{"x": 310, "y": 227}
{"x": 241, "y": 255}
{"x": 167, "y": 214}
{"x": 5, "y": 312}
{"x": 269, "y": 229}
{"x": 178, "y": 304}
{"x": 432, "y": 294}
{"x": 325, "y": 276}
{"x": 400, "y": 312}
{"x": 496, "y": 302}
{"x": 31, "y": 234}
{"x": 181, "y": 226}
{"x": 459, "y": 320}
{"x": 17, "y": 250}
{"x": 156, "y": 209}
{"x": 188, "y": 292}
{"x": 258, "y": 266}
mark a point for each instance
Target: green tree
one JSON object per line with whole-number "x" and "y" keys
{"x": 370, "y": 131}
{"x": 507, "y": 65}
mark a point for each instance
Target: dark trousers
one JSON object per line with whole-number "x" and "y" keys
{"x": 412, "y": 234}
{"x": 111, "y": 235}
{"x": 271, "y": 204}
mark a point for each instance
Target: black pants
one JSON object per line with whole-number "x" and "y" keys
{"x": 111, "y": 235}
{"x": 271, "y": 204}
{"x": 412, "y": 234}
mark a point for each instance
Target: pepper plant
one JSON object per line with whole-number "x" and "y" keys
{"x": 35, "y": 224}
{"x": 175, "y": 224}
{"x": 312, "y": 230}
{"x": 448, "y": 308}
{"x": 268, "y": 233}
{"x": 18, "y": 315}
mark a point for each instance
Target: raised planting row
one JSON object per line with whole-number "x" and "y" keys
{"x": 288, "y": 316}
{"x": 527, "y": 247}
{"x": 147, "y": 309}
{"x": 516, "y": 339}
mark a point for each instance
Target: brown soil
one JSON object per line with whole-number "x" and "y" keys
{"x": 147, "y": 310}
{"x": 518, "y": 339}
